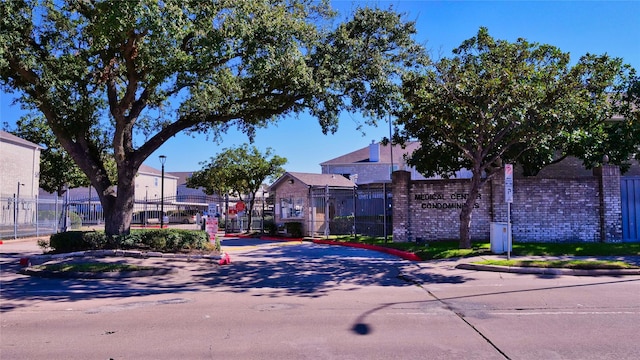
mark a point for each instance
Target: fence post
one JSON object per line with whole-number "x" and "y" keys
{"x": 55, "y": 212}
{"x": 384, "y": 210}
{"x": 65, "y": 210}
{"x": 355, "y": 212}
{"x": 15, "y": 216}
{"x": 326, "y": 211}
{"x": 36, "y": 216}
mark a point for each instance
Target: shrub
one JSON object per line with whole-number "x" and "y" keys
{"x": 217, "y": 246}
{"x": 70, "y": 241}
{"x": 44, "y": 245}
{"x": 164, "y": 240}
{"x": 75, "y": 220}
{"x": 294, "y": 229}
{"x": 341, "y": 225}
{"x": 270, "y": 227}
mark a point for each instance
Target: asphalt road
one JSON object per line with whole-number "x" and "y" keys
{"x": 307, "y": 301}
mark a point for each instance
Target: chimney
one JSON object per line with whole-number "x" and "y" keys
{"x": 374, "y": 151}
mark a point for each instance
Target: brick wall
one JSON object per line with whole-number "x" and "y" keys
{"x": 555, "y": 210}
{"x": 585, "y": 208}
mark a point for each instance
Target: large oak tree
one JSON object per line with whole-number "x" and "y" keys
{"x": 496, "y": 102}
{"x": 125, "y": 76}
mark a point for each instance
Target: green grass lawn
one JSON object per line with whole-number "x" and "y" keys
{"x": 567, "y": 264}
{"x": 449, "y": 249}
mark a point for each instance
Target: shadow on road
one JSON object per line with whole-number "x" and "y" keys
{"x": 306, "y": 270}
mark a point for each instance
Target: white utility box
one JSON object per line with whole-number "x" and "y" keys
{"x": 499, "y": 237}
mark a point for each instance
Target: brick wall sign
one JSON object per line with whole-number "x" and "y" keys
{"x": 542, "y": 209}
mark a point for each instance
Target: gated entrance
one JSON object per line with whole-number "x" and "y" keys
{"x": 365, "y": 210}
{"x": 630, "y": 200}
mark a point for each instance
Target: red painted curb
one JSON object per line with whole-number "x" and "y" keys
{"x": 399, "y": 253}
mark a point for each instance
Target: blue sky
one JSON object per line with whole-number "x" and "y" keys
{"x": 577, "y": 27}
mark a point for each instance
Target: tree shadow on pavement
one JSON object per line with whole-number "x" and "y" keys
{"x": 306, "y": 271}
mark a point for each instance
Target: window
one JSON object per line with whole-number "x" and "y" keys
{"x": 155, "y": 182}
{"x": 292, "y": 208}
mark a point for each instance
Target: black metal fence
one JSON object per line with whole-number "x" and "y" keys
{"x": 365, "y": 210}
{"x": 40, "y": 216}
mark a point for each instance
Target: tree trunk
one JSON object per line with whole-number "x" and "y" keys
{"x": 118, "y": 207}
{"x": 250, "y": 211}
{"x": 467, "y": 209}
{"x": 465, "y": 225}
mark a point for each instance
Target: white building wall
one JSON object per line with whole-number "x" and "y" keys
{"x": 149, "y": 185}
{"x": 19, "y": 163}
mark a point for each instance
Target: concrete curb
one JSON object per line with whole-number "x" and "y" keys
{"x": 96, "y": 275}
{"x": 549, "y": 271}
{"x": 40, "y": 259}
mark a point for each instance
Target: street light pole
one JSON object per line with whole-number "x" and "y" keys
{"x": 162, "y": 161}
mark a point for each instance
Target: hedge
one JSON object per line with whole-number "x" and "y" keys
{"x": 163, "y": 240}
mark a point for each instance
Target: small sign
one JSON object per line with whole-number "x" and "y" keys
{"x": 212, "y": 228}
{"x": 508, "y": 183}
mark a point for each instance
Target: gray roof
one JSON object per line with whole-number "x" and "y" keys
{"x": 362, "y": 155}
{"x": 8, "y": 137}
{"x": 148, "y": 170}
{"x": 332, "y": 180}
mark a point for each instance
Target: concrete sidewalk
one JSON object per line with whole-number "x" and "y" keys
{"x": 468, "y": 264}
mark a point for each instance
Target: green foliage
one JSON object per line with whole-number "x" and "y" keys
{"x": 44, "y": 245}
{"x": 567, "y": 264}
{"x": 101, "y": 75}
{"x": 342, "y": 225}
{"x": 449, "y": 249}
{"x": 270, "y": 227}
{"x": 239, "y": 171}
{"x": 71, "y": 241}
{"x": 163, "y": 240}
{"x": 217, "y": 245}
{"x": 294, "y": 229}
{"x": 497, "y": 102}
{"x": 75, "y": 220}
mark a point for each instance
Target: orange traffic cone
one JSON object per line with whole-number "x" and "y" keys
{"x": 225, "y": 259}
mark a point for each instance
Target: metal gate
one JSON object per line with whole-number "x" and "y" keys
{"x": 339, "y": 211}
{"x": 630, "y": 199}
{"x": 27, "y": 216}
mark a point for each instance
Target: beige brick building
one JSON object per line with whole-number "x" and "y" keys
{"x": 19, "y": 166}
{"x": 294, "y": 199}
{"x": 374, "y": 163}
